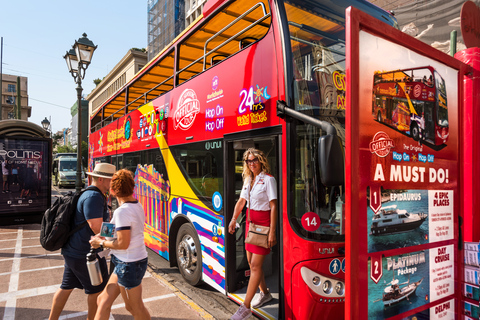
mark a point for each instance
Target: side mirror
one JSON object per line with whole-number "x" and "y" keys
{"x": 331, "y": 160}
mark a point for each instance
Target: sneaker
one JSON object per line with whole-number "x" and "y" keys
{"x": 260, "y": 299}
{"x": 242, "y": 313}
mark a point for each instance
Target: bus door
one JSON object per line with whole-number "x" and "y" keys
{"x": 237, "y": 268}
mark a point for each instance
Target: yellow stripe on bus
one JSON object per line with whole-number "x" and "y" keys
{"x": 410, "y": 105}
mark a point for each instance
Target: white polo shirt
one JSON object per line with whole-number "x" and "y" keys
{"x": 264, "y": 190}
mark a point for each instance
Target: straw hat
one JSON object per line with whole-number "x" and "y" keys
{"x": 103, "y": 170}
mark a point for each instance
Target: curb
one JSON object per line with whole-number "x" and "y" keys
{"x": 204, "y": 314}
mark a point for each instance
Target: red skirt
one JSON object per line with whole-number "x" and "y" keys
{"x": 262, "y": 218}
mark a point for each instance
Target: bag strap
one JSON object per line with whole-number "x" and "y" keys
{"x": 84, "y": 223}
{"x": 249, "y": 202}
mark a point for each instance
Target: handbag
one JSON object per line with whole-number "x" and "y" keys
{"x": 257, "y": 234}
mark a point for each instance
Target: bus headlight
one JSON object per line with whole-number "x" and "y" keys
{"x": 339, "y": 288}
{"x": 327, "y": 287}
{"x": 323, "y": 286}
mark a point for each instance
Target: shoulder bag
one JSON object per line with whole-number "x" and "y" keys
{"x": 257, "y": 234}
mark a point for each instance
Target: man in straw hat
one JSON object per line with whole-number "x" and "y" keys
{"x": 91, "y": 207}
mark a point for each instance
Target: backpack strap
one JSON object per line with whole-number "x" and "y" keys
{"x": 84, "y": 223}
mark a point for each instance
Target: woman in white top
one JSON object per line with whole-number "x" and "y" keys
{"x": 129, "y": 255}
{"x": 260, "y": 191}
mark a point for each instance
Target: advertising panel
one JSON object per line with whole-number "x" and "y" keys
{"x": 25, "y": 175}
{"x": 409, "y": 103}
{"x": 405, "y": 213}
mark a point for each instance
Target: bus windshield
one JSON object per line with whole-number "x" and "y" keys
{"x": 318, "y": 54}
{"x": 68, "y": 165}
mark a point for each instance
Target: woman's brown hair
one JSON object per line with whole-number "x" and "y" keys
{"x": 123, "y": 183}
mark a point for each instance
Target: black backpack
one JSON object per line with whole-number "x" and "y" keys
{"x": 58, "y": 221}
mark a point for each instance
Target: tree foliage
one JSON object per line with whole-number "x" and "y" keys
{"x": 66, "y": 149}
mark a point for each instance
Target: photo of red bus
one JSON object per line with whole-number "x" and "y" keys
{"x": 413, "y": 101}
{"x": 249, "y": 73}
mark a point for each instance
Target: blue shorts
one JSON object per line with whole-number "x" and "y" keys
{"x": 130, "y": 274}
{"x": 76, "y": 275}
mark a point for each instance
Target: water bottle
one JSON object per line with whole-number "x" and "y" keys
{"x": 93, "y": 267}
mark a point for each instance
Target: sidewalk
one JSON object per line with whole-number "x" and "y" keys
{"x": 30, "y": 275}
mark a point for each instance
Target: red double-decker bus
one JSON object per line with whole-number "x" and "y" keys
{"x": 249, "y": 73}
{"x": 413, "y": 101}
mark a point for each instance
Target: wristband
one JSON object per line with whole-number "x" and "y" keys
{"x": 101, "y": 243}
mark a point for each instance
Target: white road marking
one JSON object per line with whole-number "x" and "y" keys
{"x": 33, "y": 270}
{"x": 33, "y": 256}
{"x": 17, "y": 238}
{"x": 22, "y": 247}
{"x": 11, "y": 304}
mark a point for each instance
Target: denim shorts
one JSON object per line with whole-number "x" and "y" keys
{"x": 130, "y": 274}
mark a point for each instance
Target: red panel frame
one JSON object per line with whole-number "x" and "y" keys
{"x": 357, "y": 271}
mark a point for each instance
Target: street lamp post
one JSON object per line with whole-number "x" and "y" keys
{"x": 78, "y": 58}
{"x": 46, "y": 125}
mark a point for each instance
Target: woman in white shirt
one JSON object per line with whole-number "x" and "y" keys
{"x": 129, "y": 255}
{"x": 260, "y": 191}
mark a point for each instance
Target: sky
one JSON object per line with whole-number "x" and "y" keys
{"x": 37, "y": 34}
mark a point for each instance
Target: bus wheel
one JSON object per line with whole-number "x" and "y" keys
{"x": 414, "y": 132}
{"x": 379, "y": 117}
{"x": 189, "y": 254}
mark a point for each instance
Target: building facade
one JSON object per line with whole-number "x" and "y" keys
{"x": 193, "y": 10}
{"x": 166, "y": 20}
{"x": 9, "y": 97}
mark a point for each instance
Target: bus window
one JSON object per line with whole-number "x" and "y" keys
{"x": 202, "y": 165}
{"x": 318, "y": 51}
{"x": 130, "y": 161}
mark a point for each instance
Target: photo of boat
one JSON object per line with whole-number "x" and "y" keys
{"x": 402, "y": 287}
{"x": 390, "y": 220}
{"x": 394, "y": 294}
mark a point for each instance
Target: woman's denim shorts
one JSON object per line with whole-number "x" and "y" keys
{"x": 130, "y": 274}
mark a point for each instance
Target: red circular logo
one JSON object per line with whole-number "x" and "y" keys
{"x": 381, "y": 144}
{"x": 417, "y": 91}
{"x": 187, "y": 109}
{"x": 310, "y": 221}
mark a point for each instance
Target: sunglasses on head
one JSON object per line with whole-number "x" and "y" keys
{"x": 248, "y": 161}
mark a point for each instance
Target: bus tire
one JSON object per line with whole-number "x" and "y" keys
{"x": 189, "y": 254}
{"x": 415, "y": 132}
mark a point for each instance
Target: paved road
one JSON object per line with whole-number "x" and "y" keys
{"x": 30, "y": 275}
{"x": 208, "y": 303}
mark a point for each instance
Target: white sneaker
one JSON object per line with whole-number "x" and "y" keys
{"x": 242, "y": 313}
{"x": 260, "y": 299}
